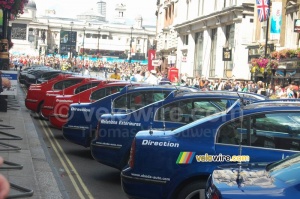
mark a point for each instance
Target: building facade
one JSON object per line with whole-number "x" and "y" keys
{"x": 198, "y": 36}
{"x": 89, "y": 34}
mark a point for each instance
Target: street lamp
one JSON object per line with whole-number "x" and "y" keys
{"x": 83, "y": 41}
{"x": 129, "y": 61}
{"x": 71, "y": 38}
{"x": 99, "y": 29}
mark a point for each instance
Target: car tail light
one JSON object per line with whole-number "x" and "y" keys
{"x": 214, "y": 196}
{"x": 97, "y": 130}
{"x": 132, "y": 154}
{"x": 212, "y": 193}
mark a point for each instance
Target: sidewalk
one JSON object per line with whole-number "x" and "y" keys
{"x": 38, "y": 173}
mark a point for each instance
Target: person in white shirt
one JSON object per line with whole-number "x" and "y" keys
{"x": 86, "y": 71}
{"x": 138, "y": 76}
{"x": 151, "y": 78}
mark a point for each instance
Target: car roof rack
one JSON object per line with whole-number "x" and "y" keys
{"x": 248, "y": 95}
{"x": 136, "y": 85}
{"x": 273, "y": 103}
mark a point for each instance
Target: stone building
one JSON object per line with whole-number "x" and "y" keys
{"x": 88, "y": 34}
{"x": 195, "y": 36}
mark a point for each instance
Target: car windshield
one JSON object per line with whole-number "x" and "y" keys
{"x": 286, "y": 170}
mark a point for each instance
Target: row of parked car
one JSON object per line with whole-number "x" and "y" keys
{"x": 174, "y": 142}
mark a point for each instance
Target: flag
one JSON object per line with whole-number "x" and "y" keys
{"x": 263, "y": 9}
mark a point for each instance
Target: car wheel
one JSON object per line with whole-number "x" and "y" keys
{"x": 39, "y": 111}
{"x": 193, "y": 190}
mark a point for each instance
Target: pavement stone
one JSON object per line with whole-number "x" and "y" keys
{"x": 38, "y": 173}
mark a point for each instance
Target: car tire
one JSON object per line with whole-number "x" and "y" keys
{"x": 193, "y": 190}
{"x": 39, "y": 111}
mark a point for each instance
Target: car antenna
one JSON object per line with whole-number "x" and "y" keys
{"x": 126, "y": 105}
{"x": 63, "y": 88}
{"x": 239, "y": 178}
{"x": 111, "y": 107}
{"x": 150, "y": 128}
{"x": 163, "y": 112}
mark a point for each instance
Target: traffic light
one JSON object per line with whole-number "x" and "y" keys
{"x": 55, "y": 51}
{"x": 40, "y": 50}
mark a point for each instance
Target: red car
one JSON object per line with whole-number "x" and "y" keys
{"x": 55, "y": 79}
{"x": 36, "y": 95}
{"x": 62, "y": 103}
{"x": 85, "y": 83}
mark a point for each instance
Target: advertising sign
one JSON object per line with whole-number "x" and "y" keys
{"x": 67, "y": 41}
{"x": 9, "y": 82}
{"x": 297, "y": 25}
{"x": 151, "y": 56}
{"x": 227, "y": 54}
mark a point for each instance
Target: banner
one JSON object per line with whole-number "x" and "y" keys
{"x": 151, "y": 57}
{"x": 276, "y": 17}
{"x": 9, "y": 82}
{"x": 67, "y": 41}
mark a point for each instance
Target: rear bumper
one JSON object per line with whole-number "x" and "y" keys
{"x": 58, "y": 121}
{"x": 32, "y": 104}
{"x": 138, "y": 187}
{"x": 47, "y": 111}
{"x": 80, "y": 135}
{"x": 108, "y": 154}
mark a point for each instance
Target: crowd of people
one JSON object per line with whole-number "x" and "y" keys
{"x": 139, "y": 73}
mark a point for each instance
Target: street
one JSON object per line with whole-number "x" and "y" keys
{"x": 79, "y": 174}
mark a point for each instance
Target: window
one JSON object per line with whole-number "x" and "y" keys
{"x": 271, "y": 130}
{"x": 66, "y": 83}
{"x": 187, "y": 111}
{"x": 85, "y": 87}
{"x": 99, "y": 94}
{"x": 198, "y": 60}
{"x": 137, "y": 100}
{"x": 187, "y": 9}
{"x": 229, "y": 43}
{"x": 200, "y": 7}
{"x": 186, "y": 40}
{"x": 213, "y": 52}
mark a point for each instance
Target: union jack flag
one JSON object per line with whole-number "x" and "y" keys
{"x": 263, "y": 9}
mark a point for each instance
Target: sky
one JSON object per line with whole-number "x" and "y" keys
{"x": 70, "y": 8}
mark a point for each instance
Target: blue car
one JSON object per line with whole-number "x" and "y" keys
{"x": 84, "y": 117}
{"x": 280, "y": 180}
{"x": 113, "y": 141}
{"x": 177, "y": 163}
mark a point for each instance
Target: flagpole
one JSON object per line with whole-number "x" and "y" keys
{"x": 267, "y": 31}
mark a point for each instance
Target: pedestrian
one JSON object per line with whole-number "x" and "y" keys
{"x": 151, "y": 77}
{"x": 165, "y": 80}
{"x": 86, "y": 71}
{"x": 115, "y": 75}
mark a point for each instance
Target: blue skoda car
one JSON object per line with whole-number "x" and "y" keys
{"x": 280, "y": 180}
{"x": 116, "y": 131}
{"x": 84, "y": 117}
{"x": 175, "y": 164}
